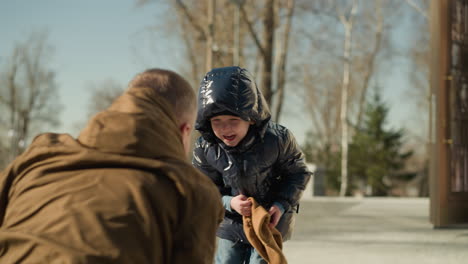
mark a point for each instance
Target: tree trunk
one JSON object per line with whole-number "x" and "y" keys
{"x": 268, "y": 37}
{"x": 348, "y": 25}
{"x": 211, "y": 34}
{"x": 372, "y": 59}
{"x": 282, "y": 61}
{"x": 236, "y": 29}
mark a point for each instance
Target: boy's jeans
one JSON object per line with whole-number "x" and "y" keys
{"x": 229, "y": 252}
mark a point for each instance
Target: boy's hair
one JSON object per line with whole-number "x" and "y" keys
{"x": 225, "y": 112}
{"x": 171, "y": 86}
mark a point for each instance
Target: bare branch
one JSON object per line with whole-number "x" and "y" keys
{"x": 320, "y": 8}
{"x": 30, "y": 88}
{"x": 371, "y": 62}
{"x": 180, "y": 5}
{"x": 318, "y": 126}
{"x": 252, "y": 30}
{"x": 192, "y": 57}
{"x": 417, "y": 8}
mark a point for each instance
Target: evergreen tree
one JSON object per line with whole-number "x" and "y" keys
{"x": 376, "y": 155}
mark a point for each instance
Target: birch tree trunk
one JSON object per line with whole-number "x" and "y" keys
{"x": 348, "y": 27}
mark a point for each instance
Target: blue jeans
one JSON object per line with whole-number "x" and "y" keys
{"x": 229, "y": 252}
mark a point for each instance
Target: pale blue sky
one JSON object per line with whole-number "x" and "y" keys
{"x": 96, "y": 40}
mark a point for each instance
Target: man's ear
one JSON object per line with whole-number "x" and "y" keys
{"x": 185, "y": 130}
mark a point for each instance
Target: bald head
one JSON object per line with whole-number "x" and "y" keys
{"x": 172, "y": 87}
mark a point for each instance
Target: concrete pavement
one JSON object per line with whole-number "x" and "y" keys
{"x": 372, "y": 230}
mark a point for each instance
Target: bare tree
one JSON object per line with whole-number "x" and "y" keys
{"x": 420, "y": 93}
{"x": 421, "y": 8}
{"x": 267, "y": 49}
{"x": 371, "y": 59}
{"x": 211, "y": 32}
{"x": 28, "y": 93}
{"x": 282, "y": 55}
{"x": 347, "y": 19}
{"x": 102, "y": 95}
{"x": 273, "y": 56}
{"x": 418, "y": 56}
{"x": 347, "y": 46}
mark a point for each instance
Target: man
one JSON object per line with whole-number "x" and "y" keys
{"x": 122, "y": 192}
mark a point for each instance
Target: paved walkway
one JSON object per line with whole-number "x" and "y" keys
{"x": 372, "y": 230}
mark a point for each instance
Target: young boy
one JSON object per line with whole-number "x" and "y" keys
{"x": 246, "y": 155}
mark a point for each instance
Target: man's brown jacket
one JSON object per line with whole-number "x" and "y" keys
{"x": 122, "y": 192}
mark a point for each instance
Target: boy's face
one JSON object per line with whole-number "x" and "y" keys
{"x": 230, "y": 129}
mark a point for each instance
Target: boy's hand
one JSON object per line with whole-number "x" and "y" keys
{"x": 275, "y": 215}
{"x": 241, "y": 205}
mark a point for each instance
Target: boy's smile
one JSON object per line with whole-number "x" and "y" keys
{"x": 230, "y": 129}
{"x": 230, "y": 138}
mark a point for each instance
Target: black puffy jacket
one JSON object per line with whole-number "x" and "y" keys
{"x": 267, "y": 164}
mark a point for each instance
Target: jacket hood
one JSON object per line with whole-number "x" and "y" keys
{"x": 230, "y": 89}
{"x": 138, "y": 123}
